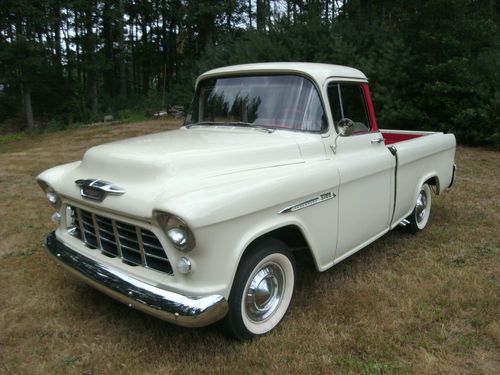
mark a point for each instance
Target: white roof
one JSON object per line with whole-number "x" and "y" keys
{"x": 319, "y": 72}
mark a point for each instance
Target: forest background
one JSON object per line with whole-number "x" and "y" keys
{"x": 432, "y": 64}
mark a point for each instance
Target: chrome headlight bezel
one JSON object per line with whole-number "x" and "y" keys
{"x": 50, "y": 194}
{"x": 176, "y": 230}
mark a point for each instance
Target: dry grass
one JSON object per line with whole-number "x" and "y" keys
{"x": 421, "y": 304}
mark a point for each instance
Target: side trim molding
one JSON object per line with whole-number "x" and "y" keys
{"x": 310, "y": 202}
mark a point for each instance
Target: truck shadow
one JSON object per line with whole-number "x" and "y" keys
{"x": 312, "y": 290}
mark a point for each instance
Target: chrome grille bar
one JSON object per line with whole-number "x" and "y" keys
{"x": 117, "y": 239}
{"x": 141, "y": 245}
{"x": 135, "y": 246}
{"x": 80, "y": 225}
{"x": 96, "y": 231}
{"x": 153, "y": 246}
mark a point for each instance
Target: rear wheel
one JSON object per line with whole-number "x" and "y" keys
{"x": 420, "y": 215}
{"x": 262, "y": 290}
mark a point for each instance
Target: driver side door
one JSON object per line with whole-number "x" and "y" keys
{"x": 366, "y": 169}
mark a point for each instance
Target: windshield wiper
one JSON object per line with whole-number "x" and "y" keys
{"x": 251, "y": 125}
{"x": 231, "y": 123}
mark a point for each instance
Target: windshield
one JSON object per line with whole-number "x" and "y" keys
{"x": 280, "y": 101}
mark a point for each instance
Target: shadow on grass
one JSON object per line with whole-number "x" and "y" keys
{"x": 142, "y": 327}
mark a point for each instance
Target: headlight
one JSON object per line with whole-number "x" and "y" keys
{"x": 178, "y": 237}
{"x": 176, "y": 230}
{"x": 51, "y": 195}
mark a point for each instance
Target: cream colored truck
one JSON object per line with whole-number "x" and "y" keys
{"x": 200, "y": 224}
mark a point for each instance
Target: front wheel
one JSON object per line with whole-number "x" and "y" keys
{"x": 420, "y": 215}
{"x": 262, "y": 290}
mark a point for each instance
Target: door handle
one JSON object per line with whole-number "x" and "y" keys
{"x": 378, "y": 140}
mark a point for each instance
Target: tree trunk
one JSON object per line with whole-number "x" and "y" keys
{"x": 57, "y": 37}
{"x": 78, "y": 49}
{"x": 107, "y": 31}
{"x": 175, "y": 53}
{"x": 135, "y": 79}
{"x": 69, "y": 53}
{"x": 28, "y": 109}
{"x": 249, "y": 14}
{"x": 144, "y": 58}
{"x": 206, "y": 30}
{"x": 261, "y": 14}
{"x": 91, "y": 61}
{"x": 165, "y": 48}
{"x": 121, "y": 56}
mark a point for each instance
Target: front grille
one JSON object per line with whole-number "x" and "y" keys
{"x": 136, "y": 246}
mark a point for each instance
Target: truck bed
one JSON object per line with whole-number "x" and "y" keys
{"x": 395, "y": 136}
{"x": 429, "y": 156}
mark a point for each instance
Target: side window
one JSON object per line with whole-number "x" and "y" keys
{"x": 348, "y": 101}
{"x": 335, "y": 105}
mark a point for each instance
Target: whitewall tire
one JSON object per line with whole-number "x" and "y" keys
{"x": 262, "y": 290}
{"x": 421, "y": 212}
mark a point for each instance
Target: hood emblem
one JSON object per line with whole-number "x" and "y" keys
{"x": 97, "y": 190}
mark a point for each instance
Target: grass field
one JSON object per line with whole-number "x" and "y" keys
{"x": 423, "y": 304}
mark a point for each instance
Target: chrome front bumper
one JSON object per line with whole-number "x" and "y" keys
{"x": 169, "y": 306}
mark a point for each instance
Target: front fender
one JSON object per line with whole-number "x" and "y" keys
{"x": 220, "y": 246}
{"x": 226, "y": 197}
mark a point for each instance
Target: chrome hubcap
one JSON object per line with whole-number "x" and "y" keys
{"x": 264, "y": 292}
{"x": 421, "y": 206}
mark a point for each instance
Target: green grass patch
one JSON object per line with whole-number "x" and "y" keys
{"x": 11, "y": 137}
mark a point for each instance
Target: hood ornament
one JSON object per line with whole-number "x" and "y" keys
{"x": 97, "y": 190}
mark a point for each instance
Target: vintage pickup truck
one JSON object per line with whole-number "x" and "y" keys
{"x": 201, "y": 224}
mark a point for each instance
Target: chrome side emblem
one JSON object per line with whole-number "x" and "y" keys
{"x": 321, "y": 198}
{"x": 97, "y": 190}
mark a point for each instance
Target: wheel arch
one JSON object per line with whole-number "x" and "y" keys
{"x": 291, "y": 234}
{"x": 432, "y": 179}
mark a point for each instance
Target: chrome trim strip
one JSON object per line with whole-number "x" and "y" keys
{"x": 310, "y": 202}
{"x": 166, "y": 305}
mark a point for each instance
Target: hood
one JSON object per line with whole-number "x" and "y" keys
{"x": 156, "y": 169}
{"x": 186, "y": 153}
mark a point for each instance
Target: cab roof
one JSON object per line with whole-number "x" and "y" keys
{"x": 318, "y": 72}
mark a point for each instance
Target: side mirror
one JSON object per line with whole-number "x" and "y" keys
{"x": 345, "y": 127}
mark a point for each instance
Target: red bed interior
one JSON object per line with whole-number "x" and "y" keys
{"x": 391, "y": 138}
